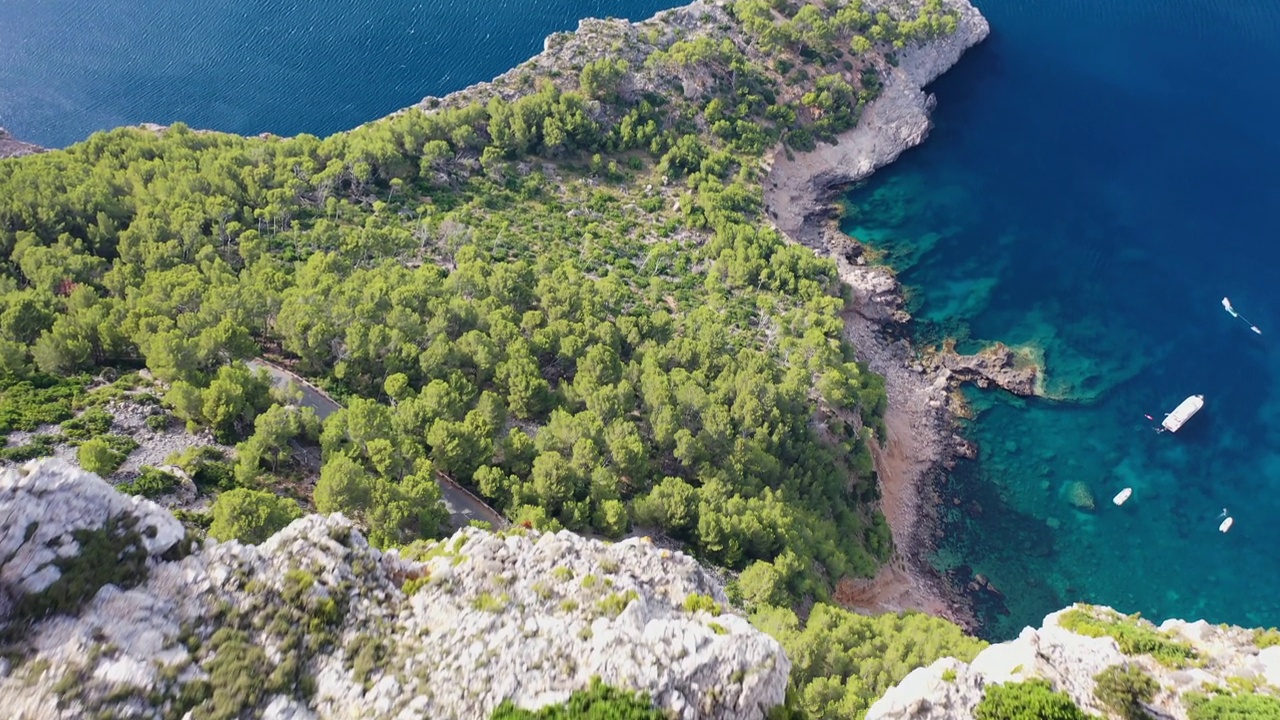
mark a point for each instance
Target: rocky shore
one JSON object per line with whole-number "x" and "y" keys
{"x": 799, "y": 192}
{"x": 11, "y": 147}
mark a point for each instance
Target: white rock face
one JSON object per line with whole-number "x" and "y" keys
{"x": 798, "y": 187}
{"x": 530, "y": 618}
{"x": 45, "y": 504}
{"x": 1069, "y": 663}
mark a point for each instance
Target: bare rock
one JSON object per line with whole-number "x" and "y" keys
{"x": 997, "y": 365}
{"x": 50, "y": 509}
{"x": 526, "y": 617}
{"x": 950, "y": 689}
{"x": 11, "y": 147}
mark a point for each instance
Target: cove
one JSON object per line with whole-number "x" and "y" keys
{"x": 1100, "y": 175}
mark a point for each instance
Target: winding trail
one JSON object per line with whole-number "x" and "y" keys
{"x": 463, "y": 506}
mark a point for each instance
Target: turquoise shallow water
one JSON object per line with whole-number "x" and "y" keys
{"x": 1101, "y": 175}
{"x": 69, "y": 67}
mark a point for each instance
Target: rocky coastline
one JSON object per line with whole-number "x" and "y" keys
{"x": 11, "y": 147}
{"x": 800, "y": 193}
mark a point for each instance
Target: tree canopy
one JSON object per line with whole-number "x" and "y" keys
{"x": 564, "y": 297}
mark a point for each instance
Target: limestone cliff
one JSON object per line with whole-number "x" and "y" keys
{"x": 314, "y": 623}
{"x": 800, "y": 185}
{"x": 1189, "y": 662}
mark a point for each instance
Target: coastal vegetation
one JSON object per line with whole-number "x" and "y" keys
{"x": 1134, "y": 635}
{"x": 560, "y": 292}
{"x": 1125, "y": 689}
{"x": 843, "y": 661}
{"x": 1030, "y": 700}
{"x": 562, "y": 297}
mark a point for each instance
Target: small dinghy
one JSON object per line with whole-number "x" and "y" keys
{"x": 1122, "y": 496}
{"x": 1226, "y": 525}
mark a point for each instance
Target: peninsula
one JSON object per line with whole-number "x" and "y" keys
{"x": 599, "y": 292}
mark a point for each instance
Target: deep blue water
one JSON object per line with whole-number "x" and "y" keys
{"x": 70, "y": 67}
{"x": 1102, "y": 173}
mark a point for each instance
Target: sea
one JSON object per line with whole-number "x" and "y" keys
{"x": 1101, "y": 174}
{"x": 70, "y": 67}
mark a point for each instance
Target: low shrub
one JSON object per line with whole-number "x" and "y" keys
{"x": 37, "y": 446}
{"x": 97, "y": 456}
{"x": 42, "y": 400}
{"x": 1133, "y": 635}
{"x": 613, "y": 605}
{"x": 1124, "y": 689}
{"x": 599, "y": 702}
{"x": 1030, "y": 700}
{"x": 1231, "y": 707}
{"x": 696, "y": 602}
{"x": 91, "y": 423}
{"x": 1266, "y": 638}
{"x": 152, "y": 483}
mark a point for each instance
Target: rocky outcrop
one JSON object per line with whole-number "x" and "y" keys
{"x": 1225, "y": 658}
{"x": 997, "y": 365}
{"x": 800, "y": 186}
{"x": 315, "y": 623}
{"x": 565, "y": 53}
{"x": 56, "y": 519}
{"x": 11, "y": 147}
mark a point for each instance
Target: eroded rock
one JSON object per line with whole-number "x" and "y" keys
{"x": 12, "y": 147}
{"x": 950, "y": 689}
{"x": 997, "y": 365}
{"x": 324, "y": 620}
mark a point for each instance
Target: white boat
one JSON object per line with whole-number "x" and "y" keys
{"x": 1122, "y": 496}
{"x": 1181, "y": 414}
{"x": 1226, "y": 524}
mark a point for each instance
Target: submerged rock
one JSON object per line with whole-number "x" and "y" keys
{"x": 1080, "y": 496}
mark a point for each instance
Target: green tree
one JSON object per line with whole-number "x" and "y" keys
{"x": 1125, "y": 689}
{"x": 344, "y": 487}
{"x": 1030, "y": 700}
{"x": 250, "y": 516}
{"x": 600, "y": 79}
{"x": 761, "y": 585}
{"x": 843, "y": 661}
{"x": 234, "y": 398}
{"x": 97, "y": 456}
{"x": 671, "y": 505}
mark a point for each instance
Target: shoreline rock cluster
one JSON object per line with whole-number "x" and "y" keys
{"x": 315, "y": 623}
